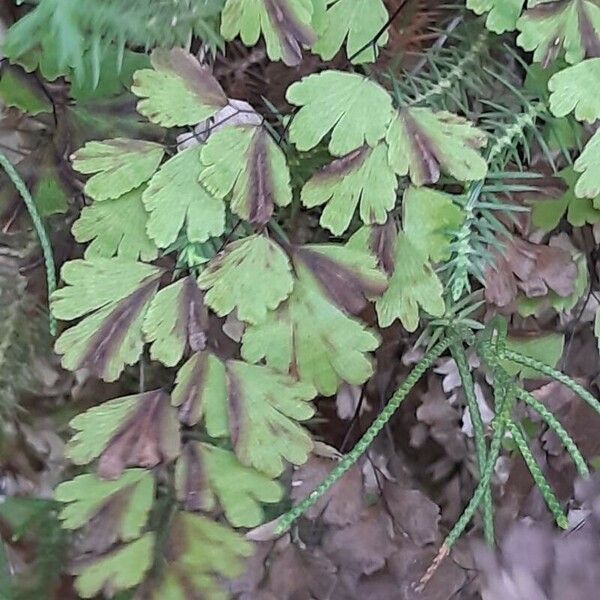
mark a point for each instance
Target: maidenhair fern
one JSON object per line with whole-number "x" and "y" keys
{"x": 179, "y": 241}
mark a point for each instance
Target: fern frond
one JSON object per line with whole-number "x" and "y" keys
{"x": 78, "y": 33}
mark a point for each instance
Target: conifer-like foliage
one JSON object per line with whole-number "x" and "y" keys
{"x": 415, "y": 203}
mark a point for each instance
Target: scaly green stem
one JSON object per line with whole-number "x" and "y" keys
{"x": 532, "y": 363}
{"x": 458, "y": 353}
{"x": 38, "y": 226}
{"x": 504, "y": 402}
{"x": 288, "y": 519}
{"x": 538, "y": 477}
{"x": 555, "y": 425}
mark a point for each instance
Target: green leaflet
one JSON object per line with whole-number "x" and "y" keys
{"x": 284, "y": 24}
{"x": 413, "y": 284}
{"x": 357, "y": 23}
{"x": 252, "y": 275}
{"x": 206, "y": 474}
{"x": 577, "y": 89}
{"x": 550, "y": 26}
{"x": 503, "y": 14}
{"x": 423, "y": 143}
{"x": 429, "y": 217}
{"x": 354, "y": 109}
{"x": 23, "y": 91}
{"x": 264, "y": 407}
{"x": 117, "y": 570}
{"x": 309, "y": 335}
{"x": 546, "y": 348}
{"x": 201, "y": 392}
{"x": 124, "y": 502}
{"x": 245, "y": 161}
{"x": 138, "y": 430}
{"x": 177, "y": 200}
{"x": 588, "y": 164}
{"x": 255, "y": 405}
{"x": 546, "y": 214}
{"x": 116, "y": 227}
{"x": 347, "y": 275}
{"x": 178, "y": 90}
{"x": 364, "y": 176}
{"x": 113, "y": 295}
{"x": 176, "y": 319}
{"x": 195, "y": 553}
{"x": 120, "y": 165}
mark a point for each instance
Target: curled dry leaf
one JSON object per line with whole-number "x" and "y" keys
{"x": 299, "y": 573}
{"x": 365, "y": 545}
{"x": 532, "y": 268}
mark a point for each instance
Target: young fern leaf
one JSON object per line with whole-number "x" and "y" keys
{"x": 120, "y": 165}
{"x": 588, "y": 164}
{"x": 119, "y": 508}
{"x": 356, "y": 23}
{"x": 550, "y": 26}
{"x": 576, "y": 89}
{"x": 231, "y": 281}
{"x": 132, "y": 431}
{"x": 351, "y": 107}
{"x": 119, "y": 569}
{"x": 428, "y": 217}
{"x": 503, "y": 14}
{"x": 311, "y": 336}
{"x": 116, "y": 228}
{"x": 178, "y": 90}
{"x": 176, "y": 200}
{"x": 424, "y": 143}
{"x": 257, "y": 407}
{"x": 264, "y": 407}
{"x": 176, "y": 320}
{"x": 413, "y": 285}
{"x": 286, "y": 26}
{"x": 200, "y": 392}
{"x": 207, "y": 476}
{"x": 546, "y": 214}
{"x": 197, "y": 553}
{"x": 113, "y": 296}
{"x": 363, "y": 176}
{"x": 245, "y": 161}
{"x": 348, "y": 276}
